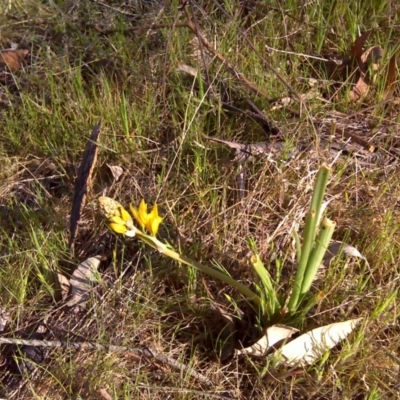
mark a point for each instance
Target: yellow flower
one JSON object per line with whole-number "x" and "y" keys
{"x": 121, "y": 221}
{"x": 153, "y": 221}
{"x": 150, "y": 221}
{"x": 140, "y": 214}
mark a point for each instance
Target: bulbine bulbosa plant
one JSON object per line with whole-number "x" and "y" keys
{"x": 310, "y": 252}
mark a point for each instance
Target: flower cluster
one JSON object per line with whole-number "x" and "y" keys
{"x": 151, "y": 221}
{"x": 121, "y": 221}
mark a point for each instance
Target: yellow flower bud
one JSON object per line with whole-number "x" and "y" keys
{"x": 117, "y": 220}
{"x": 109, "y": 207}
{"x": 118, "y": 228}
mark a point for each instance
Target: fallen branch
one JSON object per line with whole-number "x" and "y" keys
{"x": 145, "y": 352}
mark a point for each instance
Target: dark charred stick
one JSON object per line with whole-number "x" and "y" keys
{"x": 267, "y": 124}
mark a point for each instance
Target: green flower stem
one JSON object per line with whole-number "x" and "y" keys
{"x": 308, "y": 241}
{"x": 156, "y": 244}
{"x": 317, "y": 254}
{"x": 310, "y": 230}
{"x": 319, "y": 191}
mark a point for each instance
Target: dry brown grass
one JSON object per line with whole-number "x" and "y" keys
{"x": 99, "y": 59}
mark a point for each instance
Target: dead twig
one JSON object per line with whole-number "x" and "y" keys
{"x": 268, "y": 125}
{"x": 355, "y": 138}
{"x": 369, "y": 108}
{"x": 254, "y": 113}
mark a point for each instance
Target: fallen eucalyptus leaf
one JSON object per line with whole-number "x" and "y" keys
{"x": 82, "y": 281}
{"x": 360, "y": 89}
{"x": 187, "y": 69}
{"x": 367, "y": 63}
{"x": 274, "y": 335}
{"x": 64, "y": 286}
{"x": 4, "y": 319}
{"x": 105, "y": 394}
{"x": 116, "y": 171}
{"x": 308, "y": 348}
{"x": 335, "y": 248}
{"x": 12, "y": 59}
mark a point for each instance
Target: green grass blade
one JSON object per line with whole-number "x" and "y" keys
{"x": 298, "y": 245}
{"x": 271, "y": 297}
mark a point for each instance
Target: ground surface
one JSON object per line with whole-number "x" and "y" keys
{"x": 136, "y": 65}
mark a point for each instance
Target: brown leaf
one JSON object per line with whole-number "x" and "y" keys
{"x": 392, "y": 72}
{"x": 357, "y": 49}
{"x": 12, "y": 59}
{"x": 370, "y": 59}
{"x": 391, "y": 77}
{"x": 360, "y": 90}
{"x": 367, "y": 62}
